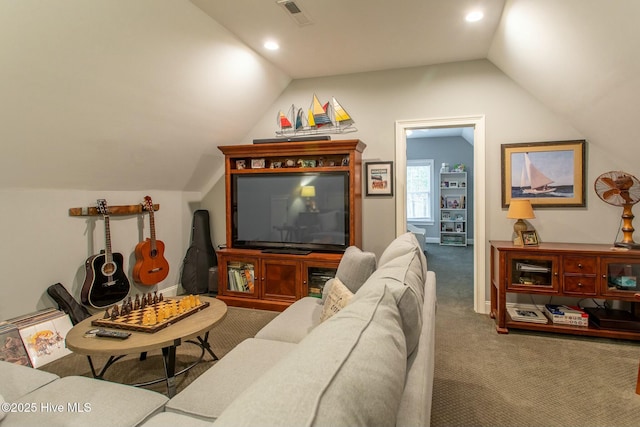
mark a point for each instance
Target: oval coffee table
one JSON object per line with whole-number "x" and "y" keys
{"x": 195, "y": 326}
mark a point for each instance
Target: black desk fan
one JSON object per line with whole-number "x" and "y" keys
{"x": 619, "y": 188}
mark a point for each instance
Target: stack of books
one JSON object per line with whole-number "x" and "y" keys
{"x": 529, "y": 314}
{"x": 566, "y": 315}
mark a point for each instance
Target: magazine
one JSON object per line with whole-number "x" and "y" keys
{"x": 528, "y": 314}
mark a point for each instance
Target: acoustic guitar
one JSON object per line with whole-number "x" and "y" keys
{"x": 151, "y": 266}
{"x": 105, "y": 280}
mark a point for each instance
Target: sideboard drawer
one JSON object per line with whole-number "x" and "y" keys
{"x": 579, "y": 285}
{"x": 580, "y": 264}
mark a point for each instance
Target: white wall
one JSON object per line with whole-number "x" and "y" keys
{"x": 41, "y": 244}
{"x": 377, "y": 99}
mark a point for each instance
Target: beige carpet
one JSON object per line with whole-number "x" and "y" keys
{"x": 238, "y": 325}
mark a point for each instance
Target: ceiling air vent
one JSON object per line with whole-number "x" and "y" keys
{"x": 294, "y": 11}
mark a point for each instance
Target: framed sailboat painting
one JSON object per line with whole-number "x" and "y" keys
{"x": 550, "y": 174}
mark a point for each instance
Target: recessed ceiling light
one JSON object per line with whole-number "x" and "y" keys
{"x": 474, "y": 16}
{"x": 271, "y": 45}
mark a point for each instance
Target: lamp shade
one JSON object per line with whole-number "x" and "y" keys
{"x": 520, "y": 209}
{"x": 308, "y": 191}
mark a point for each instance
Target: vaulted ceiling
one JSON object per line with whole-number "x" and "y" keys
{"x": 122, "y": 95}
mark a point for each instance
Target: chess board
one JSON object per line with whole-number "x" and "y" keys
{"x": 134, "y": 320}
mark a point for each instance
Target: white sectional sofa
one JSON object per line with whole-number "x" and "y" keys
{"x": 370, "y": 363}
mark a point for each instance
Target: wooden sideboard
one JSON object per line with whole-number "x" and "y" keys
{"x": 593, "y": 271}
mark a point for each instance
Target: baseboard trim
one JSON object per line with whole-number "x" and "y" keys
{"x": 171, "y": 291}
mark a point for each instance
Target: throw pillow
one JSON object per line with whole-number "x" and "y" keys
{"x": 355, "y": 267}
{"x": 338, "y": 298}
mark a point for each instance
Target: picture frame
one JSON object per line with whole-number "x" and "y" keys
{"x": 241, "y": 164}
{"x": 557, "y": 168}
{"x": 257, "y": 163}
{"x": 453, "y": 202}
{"x": 453, "y": 184}
{"x": 529, "y": 238}
{"x": 379, "y": 179}
{"x": 446, "y": 216}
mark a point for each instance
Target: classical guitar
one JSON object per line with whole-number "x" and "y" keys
{"x": 105, "y": 280}
{"x": 151, "y": 266}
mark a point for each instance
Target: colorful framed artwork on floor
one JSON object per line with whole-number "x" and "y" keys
{"x": 550, "y": 174}
{"x": 379, "y": 178}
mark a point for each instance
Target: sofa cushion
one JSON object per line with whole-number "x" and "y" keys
{"x": 402, "y": 270}
{"x": 2, "y": 411}
{"x": 18, "y": 380}
{"x": 415, "y": 406}
{"x": 355, "y": 268}
{"x": 338, "y": 298}
{"x": 210, "y": 394}
{"x": 295, "y": 323}
{"x": 350, "y": 370}
{"x": 172, "y": 419}
{"x": 102, "y": 403}
{"x": 402, "y": 244}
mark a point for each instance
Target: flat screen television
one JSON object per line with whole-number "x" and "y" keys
{"x": 271, "y": 211}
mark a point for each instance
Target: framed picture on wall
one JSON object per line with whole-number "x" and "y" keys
{"x": 550, "y": 174}
{"x": 379, "y": 178}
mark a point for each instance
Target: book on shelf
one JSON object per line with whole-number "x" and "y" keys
{"x": 566, "y": 315}
{"x": 241, "y": 277}
{"x": 43, "y": 334}
{"x": 528, "y": 314}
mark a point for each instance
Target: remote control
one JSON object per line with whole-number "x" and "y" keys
{"x": 113, "y": 334}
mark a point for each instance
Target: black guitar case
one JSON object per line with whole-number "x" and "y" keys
{"x": 200, "y": 257}
{"x": 67, "y": 303}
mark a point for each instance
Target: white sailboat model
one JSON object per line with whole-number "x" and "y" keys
{"x": 538, "y": 182}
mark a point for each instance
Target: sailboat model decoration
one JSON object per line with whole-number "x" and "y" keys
{"x": 319, "y": 119}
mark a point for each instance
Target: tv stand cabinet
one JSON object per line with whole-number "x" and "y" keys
{"x": 583, "y": 271}
{"x": 254, "y": 279}
{"x": 272, "y": 281}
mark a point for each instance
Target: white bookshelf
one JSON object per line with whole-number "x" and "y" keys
{"x": 453, "y": 208}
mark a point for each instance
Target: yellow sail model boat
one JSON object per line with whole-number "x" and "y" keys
{"x": 328, "y": 118}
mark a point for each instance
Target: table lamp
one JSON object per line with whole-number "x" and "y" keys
{"x": 309, "y": 192}
{"x": 520, "y": 209}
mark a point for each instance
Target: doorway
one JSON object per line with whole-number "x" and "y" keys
{"x": 479, "y": 232}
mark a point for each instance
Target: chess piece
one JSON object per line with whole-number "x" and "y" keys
{"x": 161, "y": 297}
{"x": 155, "y": 297}
{"x": 136, "y": 303}
{"x": 107, "y": 314}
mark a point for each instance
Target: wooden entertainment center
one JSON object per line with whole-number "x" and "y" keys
{"x": 254, "y": 278}
{"x": 585, "y": 271}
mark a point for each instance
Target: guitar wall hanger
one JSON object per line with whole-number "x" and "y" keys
{"x": 113, "y": 210}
